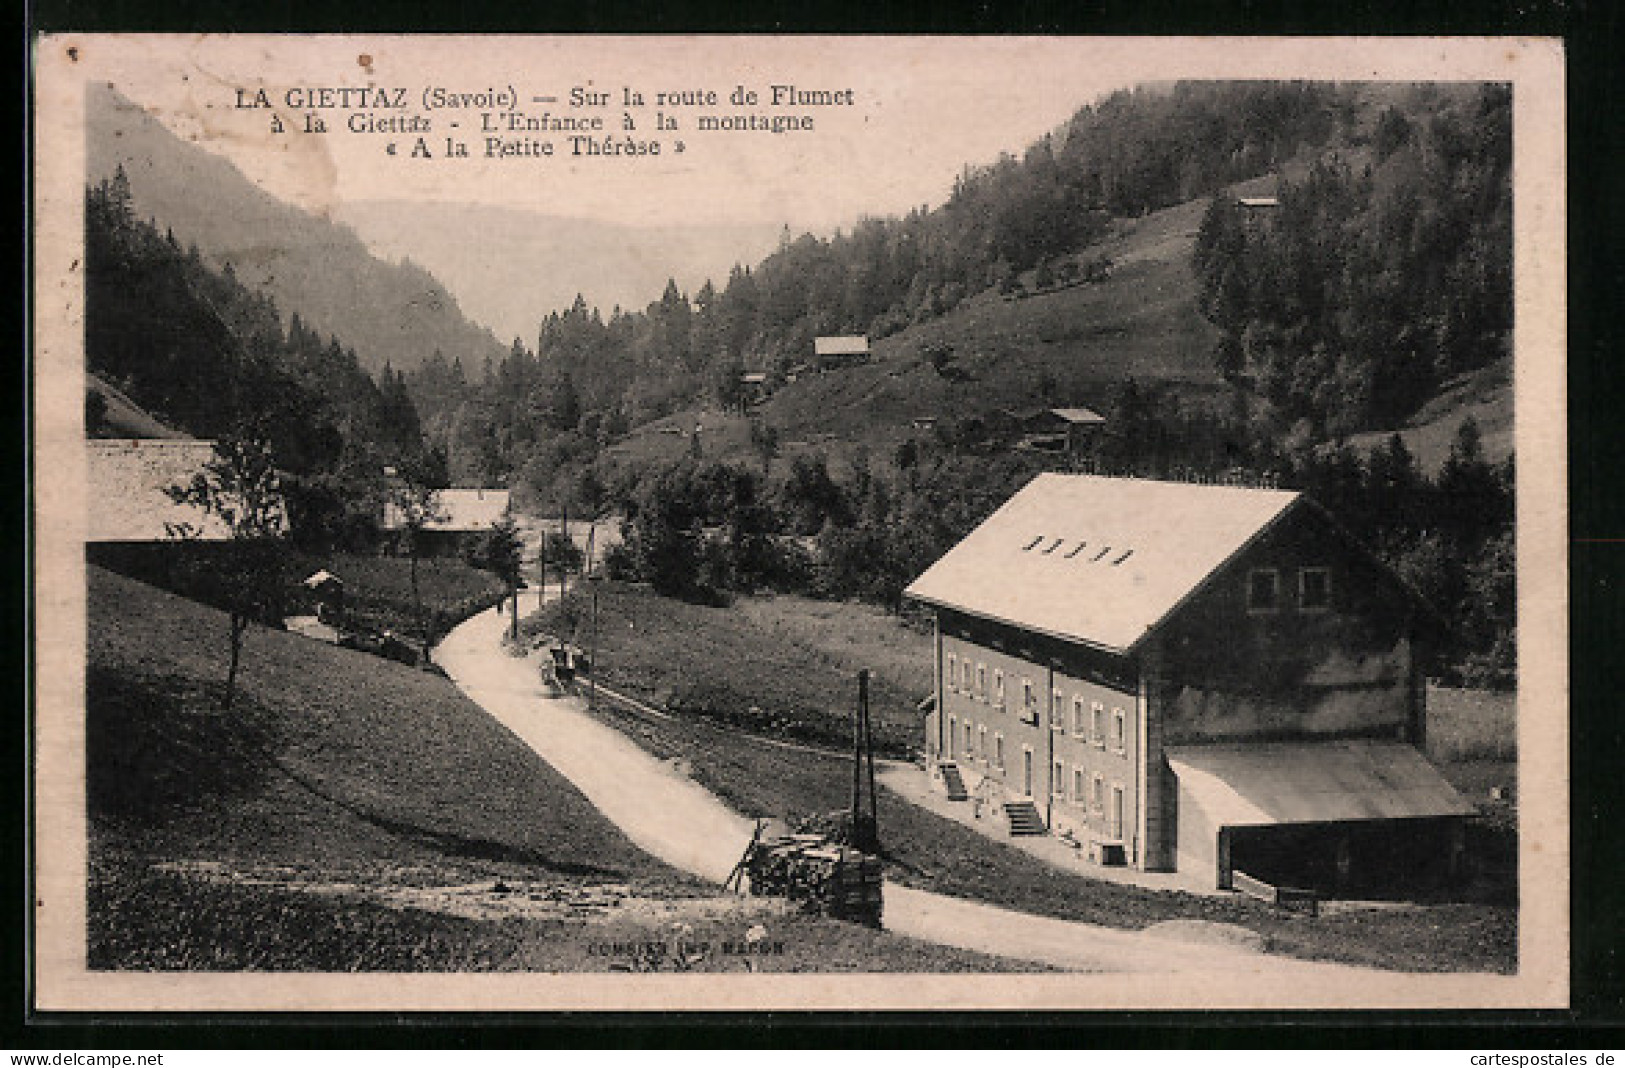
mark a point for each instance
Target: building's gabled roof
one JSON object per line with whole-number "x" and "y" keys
{"x": 458, "y": 511}
{"x": 322, "y": 578}
{"x": 848, "y": 345}
{"x": 1097, "y": 560}
{"x": 128, "y": 484}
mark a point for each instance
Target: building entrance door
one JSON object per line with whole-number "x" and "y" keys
{"x": 953, "y": 738}
{"x": 1027, "y": 772}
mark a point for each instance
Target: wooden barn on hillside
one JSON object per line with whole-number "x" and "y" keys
{"x": 1202, "y": 678}
{"x": 840, "y": 351}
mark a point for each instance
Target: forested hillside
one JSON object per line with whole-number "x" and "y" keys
{"x": 1111, "y": 265}
{"x": 393, "y": 313}
{"x": 199, "y": 351}
{"x": 1377, "y": 278}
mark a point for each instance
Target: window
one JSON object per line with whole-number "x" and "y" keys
{"x": 1029, "y": 704}
{"x": 1114, "y": 824}
{"x": 998, "y": 687}
{"x": 1057, "y": 711}
{"x": 953, "y": 672}
{"x": 981, "y": 680}
{"x": 1314, "y": 589}
{"x": 981, "y": 742}
{"x": 1097, "y": 724}
{"x": 1057, "y": 779}
{"x": 1080, "y": 725}
{"x": 1118, "y": 733}
{"x": 1079, "y": 797}
{"x": 1263, "y": 590}
{"x": 998, "y": 751}
{"x": 1097, "y": 797}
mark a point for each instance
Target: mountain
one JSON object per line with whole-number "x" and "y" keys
{"x": 110, "y": 413}
{"x": 513, "y": 266}
{"x": 393, "y": 313}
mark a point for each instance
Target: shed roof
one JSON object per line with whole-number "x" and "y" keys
{"x": 845, "y": 345}
{"x": 1079, "y": 415}
{"x": 128, "y": 484}
{"x": 459, "y": 511}
{"x": 1266, "y": 783}
{"x": 1098, "y": 560}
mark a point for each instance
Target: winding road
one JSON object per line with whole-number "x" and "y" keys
{"x": 672, "y": 817}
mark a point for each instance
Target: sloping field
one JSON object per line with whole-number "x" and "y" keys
{"x": 351, "y": 814}
{"x": 333, "y": 758}
{"x": 1069, "y": 346}
{"x": 1485, "y": 395}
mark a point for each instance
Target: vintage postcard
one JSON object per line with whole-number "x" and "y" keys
{"x": 587, "y": 523}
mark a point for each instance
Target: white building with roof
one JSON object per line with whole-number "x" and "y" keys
{"x": 840, "y": 350}
{"x": 457, "y": 514}
{"x": 129, "y": 481}
{"x": 1203, "y": 678}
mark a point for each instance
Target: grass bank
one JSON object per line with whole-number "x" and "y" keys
{"x": 787, "y": 672}
{"x": 346, "y": 812}
{"x": 377, "y": 589}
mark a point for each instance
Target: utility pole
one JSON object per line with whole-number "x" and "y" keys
{"x": 865, "y": 826}
{"x": 592, "y": 640}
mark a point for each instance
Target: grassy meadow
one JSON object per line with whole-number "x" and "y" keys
{"x": 353, "y": 814}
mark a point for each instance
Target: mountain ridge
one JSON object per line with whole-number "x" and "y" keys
{"x": 479, "y": 250}
{"x": 319, "y": 269}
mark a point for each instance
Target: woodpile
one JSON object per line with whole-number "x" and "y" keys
{"x": 821, "y": 876}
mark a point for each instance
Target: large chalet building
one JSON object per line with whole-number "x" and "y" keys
{"x": 1204, "y": 678}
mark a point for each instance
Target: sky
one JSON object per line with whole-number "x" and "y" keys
{"x": 921, "y": 110}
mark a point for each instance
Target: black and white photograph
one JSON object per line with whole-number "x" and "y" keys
{"x": 553, "y": 523}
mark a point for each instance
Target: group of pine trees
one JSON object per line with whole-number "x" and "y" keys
{"x": 1378, "y": 277}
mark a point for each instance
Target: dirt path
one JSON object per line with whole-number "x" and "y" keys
{"x": 672, "y": 817}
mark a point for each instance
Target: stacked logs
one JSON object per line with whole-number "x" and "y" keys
{"x": 823, "y": 877}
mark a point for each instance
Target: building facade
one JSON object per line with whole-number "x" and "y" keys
{"x": 1186, "y": 677}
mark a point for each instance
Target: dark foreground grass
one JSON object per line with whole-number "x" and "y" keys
{"x": 145, "y": 920}
{"x": 329, "y": 756}
{"x": 335, "y": 767}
